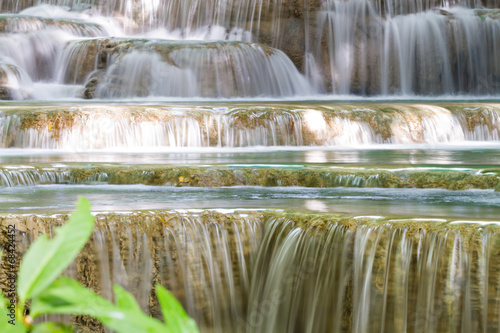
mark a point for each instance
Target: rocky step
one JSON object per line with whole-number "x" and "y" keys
{"x": 127, "y": 67}
{"x": 303, "y": 31}
{"x": 12, "y": 79}
{"x": 93, "y": 126}
{"x": 451, "y": 178}
{"x": 224, "y": 266}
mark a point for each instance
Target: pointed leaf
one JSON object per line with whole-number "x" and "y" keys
{"x": 67, "y": 296}
{"x": 125, "y": 300}
{"x": 50, "y": 327}
{"x": 47, "y": 259}
{"x": 174, "y": 315}
{"x": 7, "y": 323}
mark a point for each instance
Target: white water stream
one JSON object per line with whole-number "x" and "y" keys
{"x": 172, "y": 49}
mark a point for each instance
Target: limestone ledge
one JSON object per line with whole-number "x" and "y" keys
{"x": 194, "y": 253}
{"x": 247, "y": 175}
{"x": 238, "y": 125}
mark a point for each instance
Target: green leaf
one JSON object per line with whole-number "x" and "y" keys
{"x": 67, "y": 296}
{"x": 5, "y": 326}
{"x": 174, "y": 315}
{"x": 51, "y": 327}
{"x": 125, "y": 300}
{"x": 47, "y": 259}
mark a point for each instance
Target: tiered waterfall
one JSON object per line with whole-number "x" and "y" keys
{"x": 279, "y": 165}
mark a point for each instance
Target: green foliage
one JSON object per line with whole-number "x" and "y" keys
{"x": 47, "y": 259}
{"x": 173, "y": 313}
{"x": 39, "y": 281}
{"x": 5, "y": 315}
{"x": 67, "y": 296}
{"x": 51, "y": 327}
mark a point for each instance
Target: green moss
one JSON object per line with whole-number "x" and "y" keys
{"x": 493, "y": 14}
{"x": 305, "y": 176}
{"x": 290, "y": 120}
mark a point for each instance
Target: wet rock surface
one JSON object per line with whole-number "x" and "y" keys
{"x": 268, "y": 176}
{"x": 253, "y": 269}
{"x": 187, "y": 253}
{"x": 82, "y": 127}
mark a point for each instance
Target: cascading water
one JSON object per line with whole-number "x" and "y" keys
{"x": 209, "y": 137}
{"x": 211, "y": 70}
{"x": 86, "y": 128}
{"x": 355, "y": 47}
{"x": 452, "y": 51}
{"x": 265, "y": 272}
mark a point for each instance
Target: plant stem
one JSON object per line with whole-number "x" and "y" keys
{"x": 20, "y": 313}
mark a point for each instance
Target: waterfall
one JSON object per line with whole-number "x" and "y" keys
{"x": 379, "y": 278}
{"x": 41, "y": 41}
{"x": 31, "y": 177}
{"x": 271, "y": 176}
{"x": 84, "y": 128}
{"x": 207, "y": 263}
{"x": 402, "y": 7}
{"x": 239, "y": 153}
{"x": 343, "y": 47}
{"x": 220, "y": 70}
{"x": 262, "y": 272}
{"x": 187, "y": 15}
{"x": 423, "y": 52}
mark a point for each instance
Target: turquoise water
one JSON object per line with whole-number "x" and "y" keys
{"x": 466, "y": 156}
{"x": 471, "y": 204}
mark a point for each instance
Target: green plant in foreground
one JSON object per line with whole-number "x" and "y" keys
{"x": 39, "y": 282}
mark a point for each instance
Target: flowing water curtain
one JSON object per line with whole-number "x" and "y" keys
{"x": 262, "y": 273}
{"x": 349, "y": 34}
{"x": 12, "y": 80}
{"x": 213, "y": 19}
{"x": 375, "y": 278}
{"x": 186, "y": 15}
{"x": 142, "y": 74}
{"x": 367, "y": 47}
{"x": 78, "y": 60}
{"x": 15, "y": 6}
{"x": 29, "y": 177}
{"x": 430, "y": 52}
{"x": 95, "y": 127}
{"x": 40, "y": 45}
{"x": 416, "y": 55}
{"x": 301, "y": 279}
{"x": 88, "y": 129}
{"x": 217, "y": 70}
{"x": 206, "y": 262}
{"x": 402, "y": 7}
{"x": 42, "y": 42}
{"x": 236, "y": 16}
{"x": 205, "y": 259}
{"x": 476, "y": 52}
